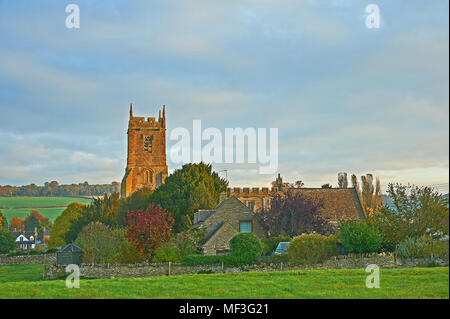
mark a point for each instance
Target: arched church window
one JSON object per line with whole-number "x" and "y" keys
{"x": 148, "y": 177}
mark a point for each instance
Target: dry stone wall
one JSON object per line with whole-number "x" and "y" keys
{"x": 162, "y": 269}
{"x": 28, "y": 259}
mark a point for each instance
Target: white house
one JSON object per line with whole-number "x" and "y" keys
{"x": 23, "y": 242}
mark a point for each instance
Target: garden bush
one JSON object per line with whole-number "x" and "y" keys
{"x": 357, "y": 237}
{"x": 277, "y": 259}
{"x": 197, "y": 260}
{"x": 422, "y": 247}
{"x": 102, "y": 245}
{"x": 167, "y": 252}
{"x": 271, "y": 243}
{"x": 309, "y": 249}
{"x": 246, "y": 247}
{"x": 333, "y": 246}
{"x": 227, "y": 260}
{"x": 128, "y": 253}
{"x": 7, "y": 241}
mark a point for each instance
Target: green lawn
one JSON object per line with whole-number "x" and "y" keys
{"x": 338, "y": 283}
{"x": 15, "y": 273}
{"x": 47, "y": 206}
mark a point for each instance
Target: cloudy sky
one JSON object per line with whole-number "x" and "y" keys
{"x": 343, "y": 97}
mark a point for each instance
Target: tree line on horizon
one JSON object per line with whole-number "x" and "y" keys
{"x": 55, "y": 189}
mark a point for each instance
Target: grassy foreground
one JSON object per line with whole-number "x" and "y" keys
{"x": 336, "y": 283}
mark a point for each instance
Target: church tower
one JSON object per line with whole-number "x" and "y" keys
{"x": 146, "y": 161}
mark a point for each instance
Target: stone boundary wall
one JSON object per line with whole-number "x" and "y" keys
{"x": 28, "y": 259}
{"x": 162, "y": 269}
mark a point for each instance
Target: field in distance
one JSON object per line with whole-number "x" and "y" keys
{"x": 50, "y": 207}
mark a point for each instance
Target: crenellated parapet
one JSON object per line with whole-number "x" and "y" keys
{"x": 253, "y": 191}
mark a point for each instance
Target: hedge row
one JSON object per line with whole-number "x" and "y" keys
{"x": 229, "y": 260}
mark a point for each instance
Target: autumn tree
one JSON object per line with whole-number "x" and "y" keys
{"x": 104, "y": 210}
{"x": 44, "y": 221}
{"x": 3, "y": 221}
{"x": 370, "y": 195}
{"x": 16, "y": 224}
{"x": 417, "y": 211}
{"x": 149, "y": 229}
{"x": 292, "y": 214}
{"x": 61, "y": 235}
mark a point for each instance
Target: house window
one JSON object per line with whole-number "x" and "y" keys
{"x": 251, "y": 204}
{"x": 246, "y": 226}
{"x": 222, "y": 251}
{"x": 148, "y": 144}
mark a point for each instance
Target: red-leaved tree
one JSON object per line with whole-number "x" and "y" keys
{"x": 293, "y": 214}
{"x": 148, "y": 230}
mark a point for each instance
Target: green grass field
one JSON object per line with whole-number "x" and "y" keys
{"x": 25, "y": 281}
{"x": 47, "y": 206}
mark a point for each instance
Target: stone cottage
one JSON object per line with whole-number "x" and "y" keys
{"x": 222, "y": 223}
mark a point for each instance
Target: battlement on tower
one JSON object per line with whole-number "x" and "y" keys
{"x": 247, "y": 191}
{"x": 149, "y": 122}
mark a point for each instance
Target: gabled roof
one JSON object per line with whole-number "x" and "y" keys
{"x": 231, "y": 203}
{"x": 214, "y": 222}
{"x": 70, "y": 247}
{"x": 21, "y": 237}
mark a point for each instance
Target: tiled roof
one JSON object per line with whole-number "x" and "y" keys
{"x": 339, "y": 203}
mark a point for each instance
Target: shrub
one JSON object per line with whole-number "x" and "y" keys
{"x": 99, "y": 244}
{"x": 128, "y": 253}
{"x": 7, "y": 241}
{"x": 359, "y": 237}
{"x": 189, "y": 242}
{"x": 283, "y": 258}
{"x": 333, "y": 246}
{"x": 167, "y": 252}
{"x": 271, "y": 243}
{"x": 422, "y": 247}
{"x": 246, "y": 247}
{"x": 308, "y": 249}
{"x": 228, "y": 260}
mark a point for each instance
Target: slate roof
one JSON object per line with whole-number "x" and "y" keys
{"x": 70, "y": 247}
{"x": 212, "y": 232}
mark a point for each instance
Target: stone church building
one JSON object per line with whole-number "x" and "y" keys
{"x": 147, "y": 168}
{"x": 146, "y": 161}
